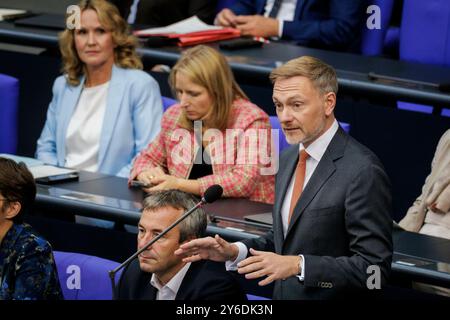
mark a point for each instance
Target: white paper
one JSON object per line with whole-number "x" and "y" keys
{"x": 7, "y": 12}
{"x": 192, "y": 24}
{"x": 29, "y": 162}
{"x": 47, "y": 171}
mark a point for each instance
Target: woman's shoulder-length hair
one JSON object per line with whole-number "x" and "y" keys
{"x": 125, "y": 55}
{"x": 208, "y": 68}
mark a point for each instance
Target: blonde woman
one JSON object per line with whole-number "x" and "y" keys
{"x": 196, "y": 148}
{"x": 104, "y": 110}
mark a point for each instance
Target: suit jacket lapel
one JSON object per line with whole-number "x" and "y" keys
{"x": 186, "y": 284}
{"x": 114, "y": 100}
{"x": 322, "y": 173}
{"x": 284, "y": 177}
{"x": 150, "y": 294}
{"x": 71, "y": 98}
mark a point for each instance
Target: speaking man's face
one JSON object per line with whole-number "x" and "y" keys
{"x": 304, "y": 112}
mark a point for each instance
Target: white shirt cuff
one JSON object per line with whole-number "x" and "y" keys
{"x": 280, "y": 28}
{"x": 301, "y": 277}
{"x": 243, "y": 251}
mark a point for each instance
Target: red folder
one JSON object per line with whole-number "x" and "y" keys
{"x": 192, "y": 38}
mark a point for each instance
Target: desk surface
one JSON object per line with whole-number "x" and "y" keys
{"x": 108, "y": 197}
{"x": 257, "y": 63}
{"x": 418, "y": 256}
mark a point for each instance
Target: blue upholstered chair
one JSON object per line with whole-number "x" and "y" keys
{"x": 425, "y": 32}
{"x": 94, "y": 282}
{"x": 167, "y": 102}
{"x": 372, "y": 41}
{"x": 252, "y": 297}
{"x": 9, "y": 105}
{"x": 425, "y": 38}
{"x": 282, "y": 142}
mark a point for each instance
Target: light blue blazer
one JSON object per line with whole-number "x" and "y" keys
{"x": 132, "y": 120}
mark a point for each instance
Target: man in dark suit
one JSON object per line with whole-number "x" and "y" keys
{"x": 332, "y": 230}
{"x": 329, "y": 24}
{"x": 159, "y": 274}
{"x": 159, "y": 13}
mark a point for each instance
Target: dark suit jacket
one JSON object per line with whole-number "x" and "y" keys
{"x": 27, "y": 266}
{"x": 204, "y": 280}
{"x": 341, "y": 223}
{"x": 329, "y": 24}
{"x": 165, "y": 12}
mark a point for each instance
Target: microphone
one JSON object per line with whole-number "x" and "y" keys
{"x": 211, "y": 194}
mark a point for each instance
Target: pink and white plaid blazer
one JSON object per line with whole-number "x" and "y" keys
{"x": 238, "y": 163}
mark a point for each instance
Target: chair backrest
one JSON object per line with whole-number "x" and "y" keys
{"x": 252, "y": 297}
{"x": 84, "y": 277}
{"x": 345, "y": 126}
{"x": 425, "y": 31}
{"x": 9, "y": 105}
{"x": 282, "y": 143}
{"x": 372, "y": 41}
{"x": 167, "y": 102}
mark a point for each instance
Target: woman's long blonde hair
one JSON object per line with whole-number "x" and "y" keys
{"x": 125, "y": 54}
{"x": 208, "y": 68}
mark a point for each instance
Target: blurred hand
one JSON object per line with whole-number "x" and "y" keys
{"x": 257, "y": 26}
{"x": 269, "y": 264}
{"x": 148, "y": 175}
{"x": 164, "y": 182}
{"x": 226, "y": 18}
{"x": 216, "y": 249}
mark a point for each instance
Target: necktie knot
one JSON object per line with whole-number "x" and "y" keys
{"x": 303, "y": 156}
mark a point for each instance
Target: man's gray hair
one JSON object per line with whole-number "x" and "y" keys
{"x": 194, "y": 225}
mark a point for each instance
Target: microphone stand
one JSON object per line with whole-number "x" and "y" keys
{"x": 112, "y": 273}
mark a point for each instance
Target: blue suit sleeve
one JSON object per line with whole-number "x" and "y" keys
{"x": 345, "y": 17}
{"x": 147, "y": 114}
{"x": 46, "y": 144}
{"x": 245, "y": 7}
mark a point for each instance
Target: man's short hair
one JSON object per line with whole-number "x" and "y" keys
{"x": 194, "y": 225}
{"x": 322, "y": 75}
{"x": 17, "y": 184}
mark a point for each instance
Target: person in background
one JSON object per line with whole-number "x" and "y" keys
{"x": 27, "y": 266}
{"x": 332, "y": 213}
{"x": 329, "y": 24}
{"x": 430, "y": 212}
{"x": 211, "y": 110}
{"x": 104, "y": 109}
{"x": 158, "y": 274}
{"x": 160, "y": 13}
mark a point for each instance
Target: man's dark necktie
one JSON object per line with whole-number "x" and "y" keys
{"x": 276, "y": 7}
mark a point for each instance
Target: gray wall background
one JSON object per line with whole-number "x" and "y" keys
{"x": 47, "y": 6}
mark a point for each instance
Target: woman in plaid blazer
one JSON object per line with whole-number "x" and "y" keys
{"x": 214, "y": 135}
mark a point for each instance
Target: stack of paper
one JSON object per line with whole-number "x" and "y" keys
{"x": 29, "y": 162}
{"x": 37, "y": 168}
{"x": 48, "y": 171}
{"x": 6, "y": 14}
{"x": 191, "y": 31}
